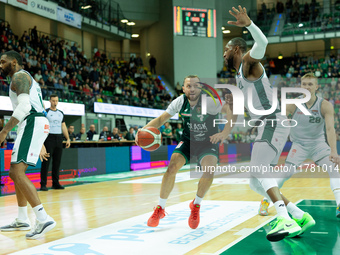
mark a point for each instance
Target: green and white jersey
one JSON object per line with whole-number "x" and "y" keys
{"x": 196, "y": 127}
{"x": 309, "y": 128}
{"x": 35, "y": 97}
{"x": 262, "y": 93}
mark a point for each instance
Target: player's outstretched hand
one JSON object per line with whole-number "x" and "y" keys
{"x": 219, "y": 137}
{"x": 43, "y": 154}
{"x": 335, "y": 158}
{"x": 242, "y": 19}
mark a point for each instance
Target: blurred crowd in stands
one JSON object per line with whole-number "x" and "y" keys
{"x": 293, "y": 10}
{"x": 63, "y": 68}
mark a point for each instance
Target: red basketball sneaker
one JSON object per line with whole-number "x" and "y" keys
{"x": 194, "y": 218}
{"x": 158, "y": 214}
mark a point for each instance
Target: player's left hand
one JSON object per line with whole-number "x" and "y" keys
{"x": 68, "y": 143}
{"x": 335, "y": 158}
{"x": 242, "y": 19}
{"x": 219, "y": 137}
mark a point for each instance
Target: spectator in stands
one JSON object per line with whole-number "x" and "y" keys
{"x": 167, "y": 133}
{"x": 152, "y": 63}
{"x": 2, "y": 27}
{"x": 49, "y": 82}
{"x": 279, "y": 7}
{"x": 81, "y": 134}
{"x": 65, "y": 90}
{"x": 178, "y": 132}
{"x": 179, "y": 89}
{"x": 38, "y": 76}
{"x": 99, "y": 98}
{"x": 25, "y": 37}
{"x": 91, "y": 132}
{"x": 71, "y": 133}
{"x": 103, "y": 136}
{"x": 34, "y": 36}
{"x": 4, "y": 37}
{"x": 67, "y": 78}
{"x": 306, "y": 11}
{"x": 135, "y": 130}
{"x": 130, "y": 136}
{"x": 139, "y": 61}
{"x": 115, "y": 136}
{"x": 289, "y": 5}
{"x": 296, "y": 11}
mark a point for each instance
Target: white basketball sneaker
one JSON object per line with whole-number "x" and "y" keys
{"x": 41, "y": 227}
{"x": 17, "y": 225}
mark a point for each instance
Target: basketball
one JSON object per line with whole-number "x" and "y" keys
{"x": 149, "y": 138}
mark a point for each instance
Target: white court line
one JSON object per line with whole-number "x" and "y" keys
{"x": 321, "y": 233}
{"x": 173, "y": 236}
{"x": 241, "y": 238}
{"x": 320, "y": 199}
{"x": 320, "y": 205}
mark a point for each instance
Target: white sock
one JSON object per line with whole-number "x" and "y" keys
{"x": 281, "y": 209}
{"x": 22, "y": 213}
{"x": 337, "y": 196}
{"x": 40, "y": 212}
{"x": 198, "y": 200}
{"x": 295, "y": 211}
{"x": 162, "y": 202}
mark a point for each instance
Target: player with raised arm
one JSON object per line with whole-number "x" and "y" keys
{"x": 29, "y": 114}
{"x": 251, "y": 78}
{"x": 197, "y": 128}
{"x": 313, "y": 138}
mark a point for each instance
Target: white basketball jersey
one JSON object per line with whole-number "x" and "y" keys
{"x": 35, "y": 97}
{"x": 309, "y": 128}
{"x": 262, "y": 93}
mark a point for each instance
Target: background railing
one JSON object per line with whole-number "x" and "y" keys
{"x": 107, "y": 12}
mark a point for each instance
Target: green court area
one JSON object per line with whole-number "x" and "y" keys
{"x": 323, "y": 238}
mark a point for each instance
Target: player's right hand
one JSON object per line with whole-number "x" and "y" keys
{"x": 242, "y": 19}
{"x": 219, "y": 137}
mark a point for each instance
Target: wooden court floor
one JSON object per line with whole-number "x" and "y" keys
{"x": 81, "y": 208}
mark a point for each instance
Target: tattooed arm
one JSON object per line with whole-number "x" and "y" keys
{"x": 21, "y": 83}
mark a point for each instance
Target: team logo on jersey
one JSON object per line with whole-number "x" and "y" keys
{"x": 201, "y": 117}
